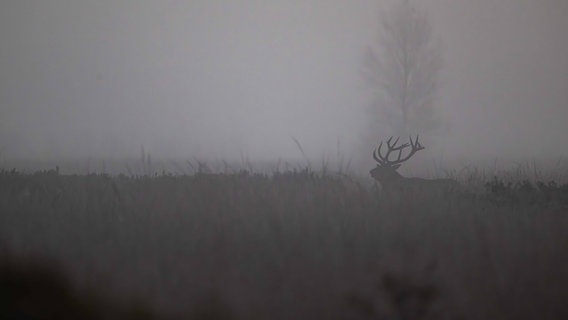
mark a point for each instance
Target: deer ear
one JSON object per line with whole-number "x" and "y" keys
{"x": 396, "y": 166}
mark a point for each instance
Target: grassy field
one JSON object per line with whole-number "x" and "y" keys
{"x": 290, "y": 245}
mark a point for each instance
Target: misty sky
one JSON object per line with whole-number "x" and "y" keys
{"x": 221, "y": 78}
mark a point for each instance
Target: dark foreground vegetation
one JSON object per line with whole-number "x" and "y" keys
{"x": 293, "y": 245}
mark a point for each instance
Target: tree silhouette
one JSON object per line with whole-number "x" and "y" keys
{"x": 403, "y": 70}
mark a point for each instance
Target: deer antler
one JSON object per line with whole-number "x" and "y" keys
{"x": 384, "y": 160}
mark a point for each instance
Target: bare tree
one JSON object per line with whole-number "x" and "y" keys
{"x": 404, "y": 69}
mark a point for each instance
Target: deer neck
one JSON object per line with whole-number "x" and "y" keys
{"x": 397, "y": 176}
{"x": 392, "y": 178}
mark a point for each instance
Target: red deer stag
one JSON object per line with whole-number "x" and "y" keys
{"x": 392, "y": 182}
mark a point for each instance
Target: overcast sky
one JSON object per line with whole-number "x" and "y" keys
{"x": 221, "y": 78}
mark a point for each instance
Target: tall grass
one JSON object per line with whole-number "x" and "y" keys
{"x": 295, "y": 244}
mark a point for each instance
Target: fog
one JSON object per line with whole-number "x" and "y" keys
{"x": 227, "y": 79}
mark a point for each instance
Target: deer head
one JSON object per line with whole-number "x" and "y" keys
{"x": 385, "y": 172}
